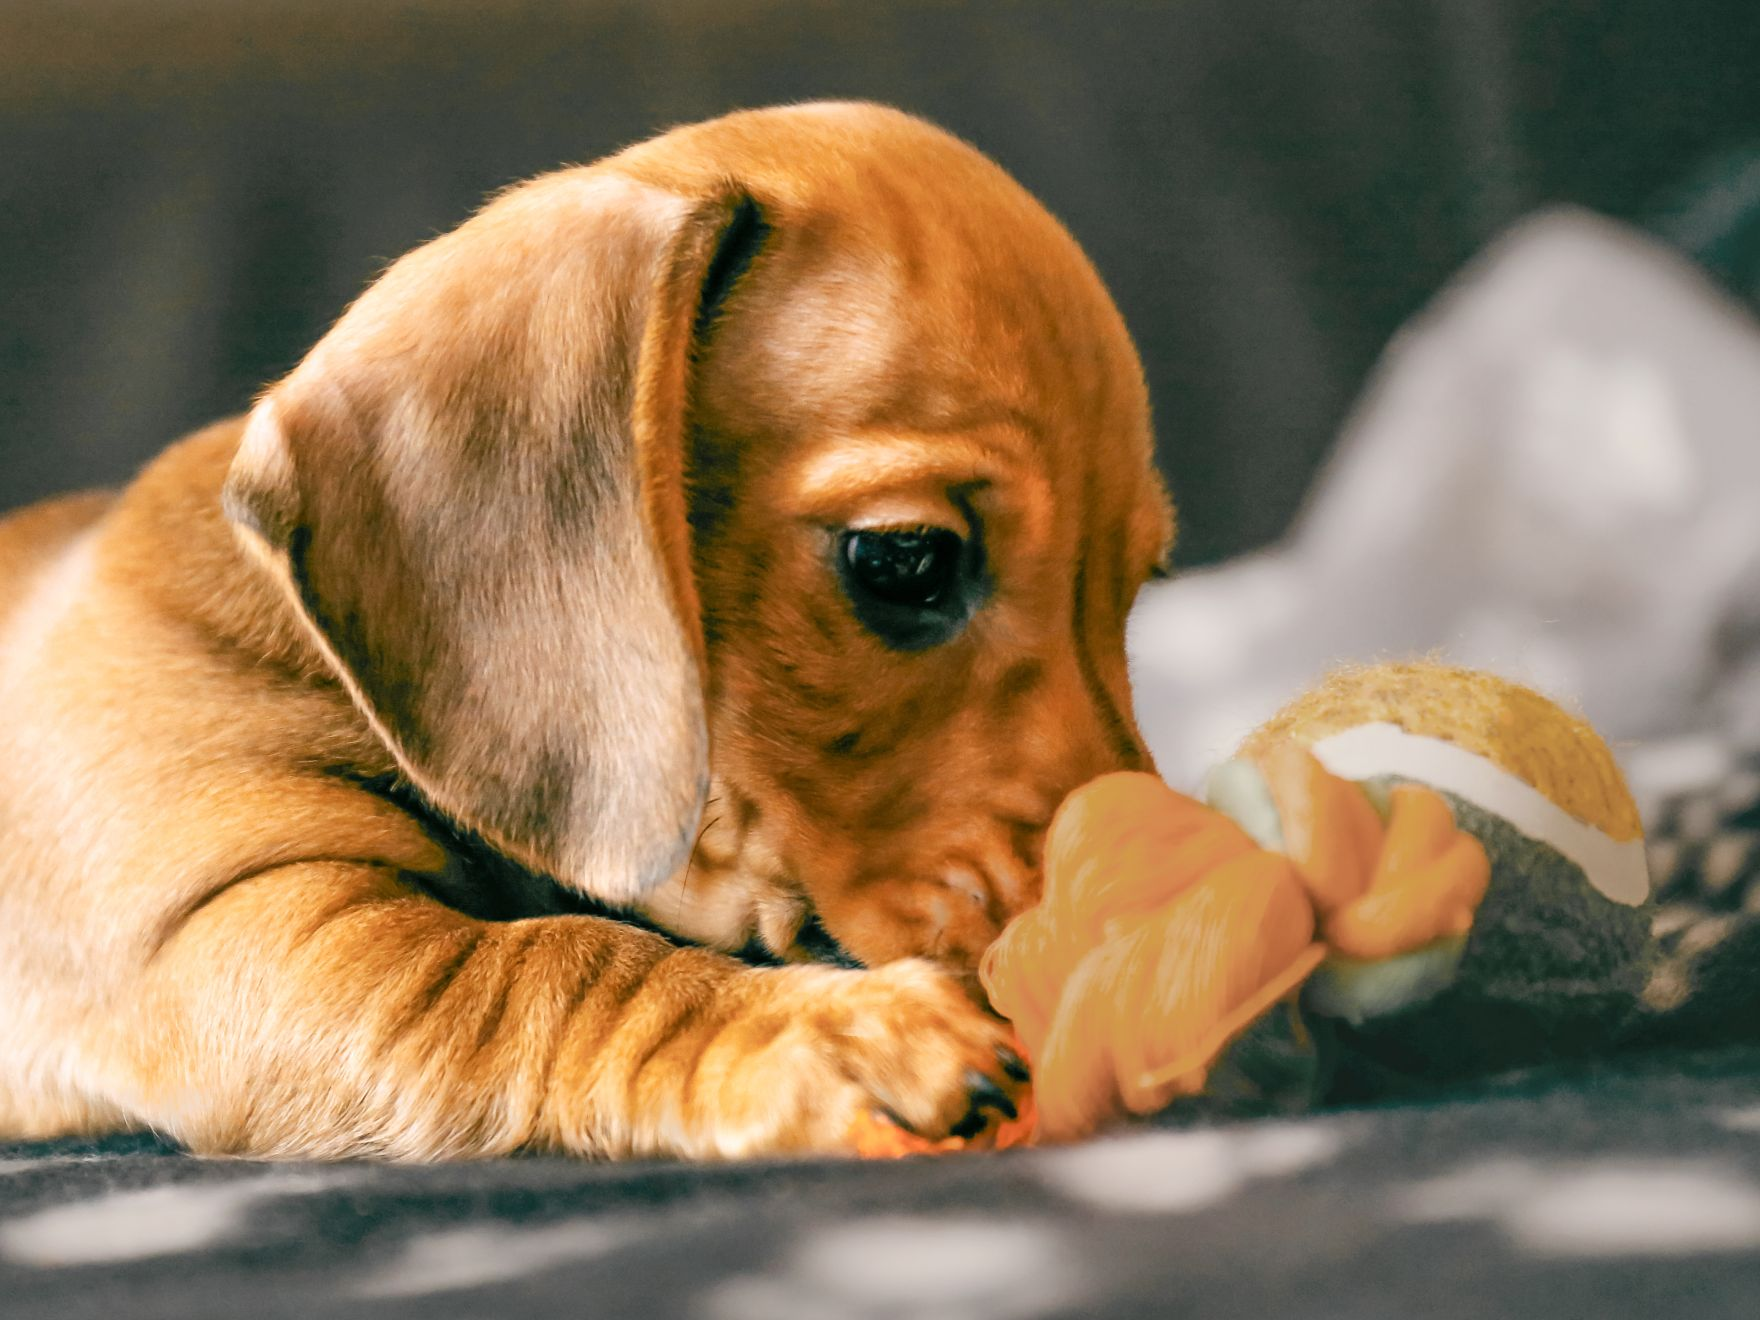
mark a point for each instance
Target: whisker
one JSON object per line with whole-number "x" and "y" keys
{"x": 684, "y": 888}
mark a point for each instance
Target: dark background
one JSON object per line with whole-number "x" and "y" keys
{"x": 191, "y": 190}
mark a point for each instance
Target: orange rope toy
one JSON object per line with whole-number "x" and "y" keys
{"x": 1165, "y": 931}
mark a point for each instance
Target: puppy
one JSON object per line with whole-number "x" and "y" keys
{"x": 724, "y": 548}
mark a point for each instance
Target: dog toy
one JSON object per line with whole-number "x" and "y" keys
{"x": 1559, "y": 949}
{"x": 1434, "y": 869}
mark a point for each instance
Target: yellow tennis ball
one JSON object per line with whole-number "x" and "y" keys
{"x": 1513, "y": 727}
{"x": 1559, "y": 946}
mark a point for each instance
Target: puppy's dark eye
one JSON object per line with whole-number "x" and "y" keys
{"x": 904, "y": 568}
{"x": 911, "y": 587}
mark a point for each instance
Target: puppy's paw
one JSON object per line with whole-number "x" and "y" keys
{"x": 902, "y": 1040}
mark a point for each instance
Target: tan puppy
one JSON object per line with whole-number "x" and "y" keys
{"x": 795, "y": 463}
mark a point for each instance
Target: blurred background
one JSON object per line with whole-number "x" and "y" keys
{"x": 191, "y": 190}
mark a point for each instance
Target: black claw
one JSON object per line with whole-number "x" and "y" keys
{"x": 969, "y": 1126}
{"x": 986, "y": 1094}
{"x": 1012, "y": 1064}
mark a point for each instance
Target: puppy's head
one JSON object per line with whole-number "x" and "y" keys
{"x": 796, "y": 463}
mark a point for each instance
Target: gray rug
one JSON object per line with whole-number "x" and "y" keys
{"x": 1626, "y": 1188}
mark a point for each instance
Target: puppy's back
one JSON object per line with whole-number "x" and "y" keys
{"x": 33, "y": 537}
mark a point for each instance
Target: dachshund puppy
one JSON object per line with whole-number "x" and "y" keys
{"x": 722, "y": 549}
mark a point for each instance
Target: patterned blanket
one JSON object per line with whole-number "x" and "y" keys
{"x": 1620, "y": 1186}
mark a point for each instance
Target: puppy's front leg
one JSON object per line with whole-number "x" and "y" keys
{"x": 329, "y": 1009}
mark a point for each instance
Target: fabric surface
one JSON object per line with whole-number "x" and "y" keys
{"x": 1705, "y": 850}
{"x": 1618, "y": 1190}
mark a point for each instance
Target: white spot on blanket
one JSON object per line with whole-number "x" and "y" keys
{"x": 154, "y": 1221}
{"x": 1745, "y": 1119}
{"x": 1475, "y": 1191}
{"x": 1179, "y": 1172}
{"x": 9, "y": 1167}
{"x": 1602, "y": 1208}
{"x": 483, "y": 1254}
{"x": 923, "y": 1268}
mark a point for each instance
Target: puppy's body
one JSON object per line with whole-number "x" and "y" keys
{"x": 544, "y": 537}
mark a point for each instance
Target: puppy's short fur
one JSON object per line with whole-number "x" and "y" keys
{"x": 539, "y": 584}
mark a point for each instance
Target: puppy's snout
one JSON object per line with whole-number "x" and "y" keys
{"x": 1083, "y": 725}
{"x": 1001, "y": 888}
{"x": 966, "y": 882}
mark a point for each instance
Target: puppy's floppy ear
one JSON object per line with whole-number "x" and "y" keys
{"x": 473, "y": 490}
